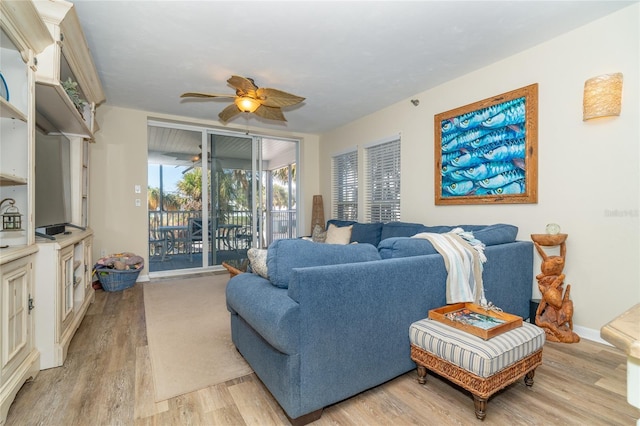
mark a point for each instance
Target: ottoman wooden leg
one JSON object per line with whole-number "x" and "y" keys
{"x": 422, "y": 374}
{"x": 528, "y": 378}
{"x": 480, "y": 405}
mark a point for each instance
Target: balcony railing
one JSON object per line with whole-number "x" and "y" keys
{"x": 282, "y": 225}
{"x": 179, "y": 241}
{"x": 169, "y": 233}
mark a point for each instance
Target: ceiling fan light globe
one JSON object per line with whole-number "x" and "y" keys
{"x": 247, "y": 104}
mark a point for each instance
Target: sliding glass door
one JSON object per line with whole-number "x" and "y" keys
{"x": 249, "y": 197}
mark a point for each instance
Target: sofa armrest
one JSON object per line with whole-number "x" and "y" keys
{"x": 266, "y": 308}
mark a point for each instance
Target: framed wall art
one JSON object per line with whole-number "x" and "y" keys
{"x": 486, "y": 152}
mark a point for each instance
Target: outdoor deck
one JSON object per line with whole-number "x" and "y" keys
{"x": 185, "y": 261}
{"x": 175, "y": 237}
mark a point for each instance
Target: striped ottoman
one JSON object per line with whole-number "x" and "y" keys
{"x": 483, "y": 367}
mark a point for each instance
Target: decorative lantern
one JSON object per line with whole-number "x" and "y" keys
{"x": 11, "y": 218}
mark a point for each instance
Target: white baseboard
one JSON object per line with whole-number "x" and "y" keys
{"x": 590, "y": 334}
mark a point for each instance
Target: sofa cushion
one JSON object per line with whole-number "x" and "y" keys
{"x": 401, "y": 229}
{"x": 405, "y": 247}
{"x": 285, "y": 255}
{"x": 369, "y": 233}
{"x": 258, "y": 261}
{"x": 318, "y": 235}
{"x": 338, "y": 235}
{"x": 492, "y": 235}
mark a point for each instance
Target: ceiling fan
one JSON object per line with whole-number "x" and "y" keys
{"x": 263, "y": 102}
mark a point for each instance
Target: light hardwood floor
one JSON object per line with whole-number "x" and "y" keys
{"x": 106, "y": 380}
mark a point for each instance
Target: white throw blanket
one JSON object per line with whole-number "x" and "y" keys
{"x": 463, "y": 257}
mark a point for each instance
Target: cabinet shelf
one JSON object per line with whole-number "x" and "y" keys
{"x": 10, "y": 180}
{"x": 59, "y": 113}
{"x": 7, "y": 110}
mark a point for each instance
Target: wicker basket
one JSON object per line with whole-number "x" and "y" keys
{"x": 116, "y": 280}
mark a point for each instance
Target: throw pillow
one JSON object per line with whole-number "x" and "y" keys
{"x": 258, "y": 261}
{"x": 318, "y": 235}
{"x": 336, "y": 235}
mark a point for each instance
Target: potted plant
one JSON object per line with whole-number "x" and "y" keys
{"x": 71, "y": 87}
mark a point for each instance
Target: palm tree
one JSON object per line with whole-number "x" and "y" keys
{"x": 171, "y": 201}
{"x": 153, "y": 198}
{"x": 280, "y": 196}
{"x": 190, "y": 189}
{"x": 282, "y": 174}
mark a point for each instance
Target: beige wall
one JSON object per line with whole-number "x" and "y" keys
{"x": 588, "y": 171}
{"x": 119, "y": 161}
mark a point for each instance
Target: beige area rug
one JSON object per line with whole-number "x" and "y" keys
{"x": 189, "y": 336}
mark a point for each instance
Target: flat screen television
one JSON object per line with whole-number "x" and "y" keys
{"x": 52, "y": 183}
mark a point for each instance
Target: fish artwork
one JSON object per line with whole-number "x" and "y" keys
{"x": 483, "y": 152}
{"x": 502, "y": 179}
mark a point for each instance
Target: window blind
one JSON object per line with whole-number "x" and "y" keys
{"x": 382, "y": 191}
{"x": 345, "y": 185}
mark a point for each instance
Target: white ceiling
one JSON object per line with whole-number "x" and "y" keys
{"x": 348, "y": 59}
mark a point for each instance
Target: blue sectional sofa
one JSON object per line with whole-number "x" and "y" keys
{"x": 331, "y": 321}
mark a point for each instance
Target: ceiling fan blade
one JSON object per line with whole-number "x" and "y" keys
{"x": 271, "y": 113}
{"x": 277, "y": 98}
{"x": 245, "y": 85}
{"x": 182, "y": 156}
{"x": 204, "y": 95}
{"x": 229, "y": 112}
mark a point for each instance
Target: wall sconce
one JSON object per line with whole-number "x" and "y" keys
{"x": 602, "y": 96}
{"x": 11, "y": 218}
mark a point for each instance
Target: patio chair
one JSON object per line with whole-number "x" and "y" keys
{"x": 194, "y": 235}
{"x": 156, "y": 246}
{"x": 244, "y": 238}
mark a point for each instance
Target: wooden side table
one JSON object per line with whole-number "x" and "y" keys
{"x": 236, "y": 266}
{"x": 555, "y": 311}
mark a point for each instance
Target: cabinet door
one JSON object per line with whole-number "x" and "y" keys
{"x": 66, "y": 283}
{"x": 16, "y": 318}
{"x": 88, "y": 266}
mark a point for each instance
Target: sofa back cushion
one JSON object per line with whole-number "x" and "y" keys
{"x": 490, "y": 235}
{"x": 285, "y": 255}
{"x": 401, "y": 229}
{"x": 369, "y": 233}
{"x": 405, "y": 247}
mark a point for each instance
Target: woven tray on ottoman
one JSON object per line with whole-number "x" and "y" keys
{"x": 482, "y": 367}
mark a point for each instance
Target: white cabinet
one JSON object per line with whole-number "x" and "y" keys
{"x": 22, "y": 36}
{"x": 19, "y": 360}
{"x": 63, "y": 286}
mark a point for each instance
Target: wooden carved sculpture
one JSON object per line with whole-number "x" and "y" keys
{"x": 555, "y": 311}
